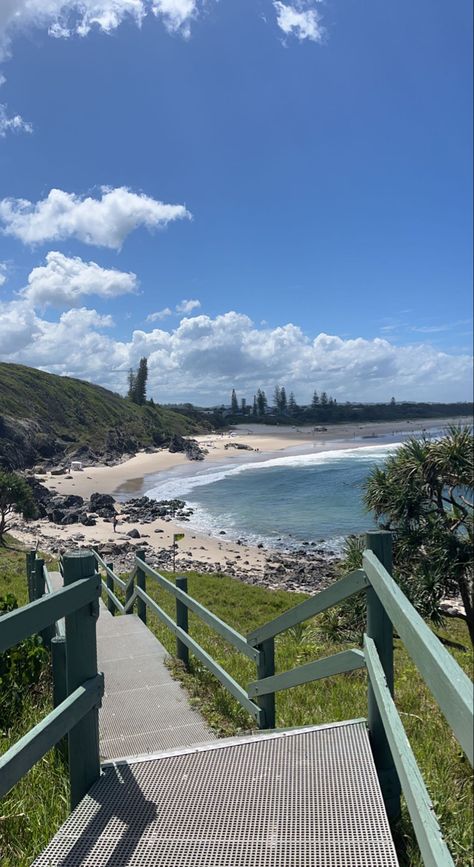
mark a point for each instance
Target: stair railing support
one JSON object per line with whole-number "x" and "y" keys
{"x": 30, "y": 565}
{"x": 81, "y": 664}
{"x": 266, "y": 668}
{"x": 380, "y": 629}
{"x": 141, "y": 582}
{"x": 129, "y": 591}
{"x": 182, "y": 620}
{"x": 58, "y": 664}
{"x": 110, "y": 586}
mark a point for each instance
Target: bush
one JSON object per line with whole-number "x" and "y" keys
{"x": 22, "y": 668}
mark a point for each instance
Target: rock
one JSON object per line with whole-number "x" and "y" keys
{"x": 159, "y": 531}
{"x": 88, "y": 521}
{"x": 78, "y": 537}
{"x": 133, "y": 533}
{"x": 102, "y": 504}
{"x": 192, "y": 449}
{"x": 59, "y": 471}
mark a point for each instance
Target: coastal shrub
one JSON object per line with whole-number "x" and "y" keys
{"x": 15, "y": 497}
{"x": 22, "y": 669}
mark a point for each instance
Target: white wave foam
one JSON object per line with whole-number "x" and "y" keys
{"x": 180, "y": 487}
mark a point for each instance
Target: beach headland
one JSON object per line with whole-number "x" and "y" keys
{"x": 309, "y": 567}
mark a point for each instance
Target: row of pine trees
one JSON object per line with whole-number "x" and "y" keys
{"x": 283, "y": 404}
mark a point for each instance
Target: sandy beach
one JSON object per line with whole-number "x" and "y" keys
{"x": 130, "y": 479}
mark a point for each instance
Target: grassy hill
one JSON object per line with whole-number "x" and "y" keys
{"x": 44, "y": 416}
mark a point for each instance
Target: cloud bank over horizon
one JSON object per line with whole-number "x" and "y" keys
{"x": 203, "y": 358}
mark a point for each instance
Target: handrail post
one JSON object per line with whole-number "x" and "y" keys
{"x": 141, "y": 582}
{"x": 39, "y": 589}
{"x": 380, "y": 629}
{"x": 129, "y": 593}
{"x": 182, "y": 651}
{"x": 30, "y": 565}
{"x": 110, "y": 586}
{"x": 81, "y": 664}
{"x": 58, "y": 664}
{"x": 266, "y": 668}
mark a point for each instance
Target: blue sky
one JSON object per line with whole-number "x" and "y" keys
{"x": 317, "y": 158}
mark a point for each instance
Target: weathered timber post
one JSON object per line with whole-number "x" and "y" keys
{"x": 81, "y": 664}
{"x": 58, "y": 663}
{"x": 39, "y": 585}
{"x": 141, "y": 582}
{"x": 182, "y": 650}
{"x": 380, "y": 629}
{"x": 266, "y": 668}
{"x": 110, "y": 586}
{"x": 30, "y": 565}
{"x": 129, "y": 590}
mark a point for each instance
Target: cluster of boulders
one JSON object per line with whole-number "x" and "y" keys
{"x": 191, "y": 448}
{"x": 142, "y": 510}
{"x": 240, "y": 446}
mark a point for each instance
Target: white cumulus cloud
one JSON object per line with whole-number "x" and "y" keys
{"x": 63, "y": 281}
{"x": 176, "y": 14}
{"x": 104, "y": 222}
{"x": 188, "y": 305}
{"x": 299, "y": 19}
{"x": 203, "y": 358}
{"x": 12, "y": 123}
{"x": 3, "y": 273}
{"x": 159, "y": 314}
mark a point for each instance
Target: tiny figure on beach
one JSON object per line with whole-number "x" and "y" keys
{"x": 114, "y": 522}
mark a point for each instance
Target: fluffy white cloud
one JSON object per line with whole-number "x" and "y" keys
{"x": 188, "y": 305}
{"x": 63, "y": 281}
{"x": 299, "y": 19}
{"x": 204, "y": 357}
{"x": 66, "y": 18}
{"x": 159, "y": 314}
{"x": 3, "y": 273}
{"x": 176, "y": 14}
{"x": 12, "y": 123}
{"x": 105, "y": 222}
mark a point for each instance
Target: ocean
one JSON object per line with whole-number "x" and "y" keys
{"x": 280, "y": 501}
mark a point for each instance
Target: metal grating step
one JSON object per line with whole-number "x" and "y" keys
{"x": 307, "y": 798}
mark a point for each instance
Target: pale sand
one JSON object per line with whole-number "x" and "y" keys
{"x": 195, "y": 546}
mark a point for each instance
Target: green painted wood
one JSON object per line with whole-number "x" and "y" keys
{"x": 115, "y": 600}
{"x": 109, "y": 571}
{"x": 433, "y": 849}
{"x": 141, "y": 582}
{"x": 81, "y": 665}
{"x": 130, "y": 594}
{"x": 128, "y": 607}
{"x": 380, "y": 629}
{"x": 30, "y": 560}
{"x": 110, "y": 589}
{"x": 182, "y": 620}
{"x": 18, "y": 760}
{"x": 230, "y": 635}
{"x": 349, "y": 585}
{"x": 234, "y": 688}
{"x": 265, "y": 671}
{"x": 338, "y": 663}
{"x": 58, "y": 665}
{"x": 447, "y": 681}
{"x": 32, "y": 618}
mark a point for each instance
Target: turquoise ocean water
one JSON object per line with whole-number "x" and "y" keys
{"x": 280, "y": 501}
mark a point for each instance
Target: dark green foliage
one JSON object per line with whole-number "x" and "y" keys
{"x": 424, "y": 493}
{"x": 21, "y": 668}
{"x": 137, "y": 383}
{"x": 15, "y": 497}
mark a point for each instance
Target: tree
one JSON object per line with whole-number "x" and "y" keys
{"x": 424, "y": 493}
{"x": 324, "y": 399}
{"x": 292, "y": 405}
{"x": 315, "y": 400}
{"x": 255, "y": 405}
{"x": 15, "y": 498}
{"x": 234, "y": 403}
{"x": 283, "y": 400}
{"x": 131, "y": 383}
{"x": 139, "y": 392}
{"x": 262, "y": 402}
{"x": 277, "y": 398}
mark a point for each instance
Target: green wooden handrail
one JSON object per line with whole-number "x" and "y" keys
{"x": 338, "y": 663}
{"x": 36, "y": 616}
{"x": 59, "y": 625}
{"x": 234, "y": 688}
{"x": 227, "y": 632}
{"x": 428, "y": 833}
{"x": 346, "y": 587}
{"x": 447, "y": 681}
{"x": 20, "y": 758}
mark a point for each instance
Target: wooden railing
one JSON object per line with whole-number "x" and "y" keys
{"x": 387, "y": 608}
{"x": 66, "y": 618}
{"x": 76, "y": 711}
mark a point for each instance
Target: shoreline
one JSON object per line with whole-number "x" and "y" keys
{"x": 199, "y": 551}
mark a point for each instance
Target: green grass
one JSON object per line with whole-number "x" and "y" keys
{"x": 35, "y": 808}
{"x": 73, "y": 413}
{"x": 32, "y": 812}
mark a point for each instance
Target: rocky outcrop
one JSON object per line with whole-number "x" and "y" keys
{"x": 142, "y": 510}
{"x": 191, "y": 448}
